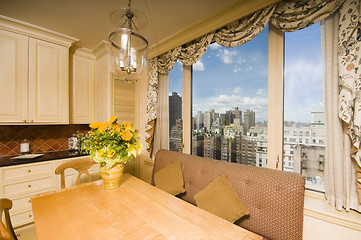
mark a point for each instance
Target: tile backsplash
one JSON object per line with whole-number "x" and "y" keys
{"x": 43, "y": 138}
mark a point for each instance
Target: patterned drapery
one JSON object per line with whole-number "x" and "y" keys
{"x": 188, "y": 54}
{"x": 298, "y": 14}
{"x": 349, "y": 64}
{"x": 245, "y": 29}
{"x": 152, "y": 99}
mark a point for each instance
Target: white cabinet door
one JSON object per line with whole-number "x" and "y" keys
{"x": 13, "y": 77}
{"x": 82, "y": 91}
{"x": 48, "y": 82}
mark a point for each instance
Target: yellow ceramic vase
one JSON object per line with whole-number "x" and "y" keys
{"x": 112, "y": 176}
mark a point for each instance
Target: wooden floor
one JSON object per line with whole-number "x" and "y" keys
{"x": 26, "y": 232}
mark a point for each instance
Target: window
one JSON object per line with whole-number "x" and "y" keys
{"x": 303, "y": 102}
{"x": 175, "y": 108}
{"x": 231, "y": 89}
{"x": 229, "y": 105}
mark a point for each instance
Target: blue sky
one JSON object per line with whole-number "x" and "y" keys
{"x": 225, "y": 78}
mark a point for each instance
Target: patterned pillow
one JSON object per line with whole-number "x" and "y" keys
{"x": 170, "y": 179}
{"x": 220, "y": 199}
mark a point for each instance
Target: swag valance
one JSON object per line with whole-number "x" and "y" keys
{"x": 287, "y": 16}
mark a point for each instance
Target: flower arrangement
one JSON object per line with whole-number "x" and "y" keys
{"x": 109, "y": 143}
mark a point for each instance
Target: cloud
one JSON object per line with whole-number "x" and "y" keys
{"x": 214, "y": 46}
{"x": 237, "y": 69}
{"x": 198, "y": 66}
{"x": 249, "y": 68}
{"x": 260, "y": 92}
{"x": 237, "y": 90}
{"x": 227, "y": 55}
{"x": 303, "y": 89}
{"x": 241, "y": 60}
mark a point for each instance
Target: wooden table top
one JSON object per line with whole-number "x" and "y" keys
{"x": 136, "y": 210}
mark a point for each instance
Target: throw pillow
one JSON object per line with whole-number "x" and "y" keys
{"x": 220, "y": 199}
{"x": 170, "y": 179}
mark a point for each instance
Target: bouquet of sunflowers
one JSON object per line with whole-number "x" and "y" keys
{"x": 109, "y": 143}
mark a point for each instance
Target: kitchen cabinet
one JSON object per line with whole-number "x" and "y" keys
{"x": 13, "y": 77}
{"x": 34, "y": 74}
{"x": 48, "y": 82}
{"x": 82, "y": 87}
{"x": 34, "y": 80}
{"x": 20, "y": 182}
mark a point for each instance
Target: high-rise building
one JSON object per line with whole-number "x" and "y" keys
{"x": 228, "y": 149}
{"x": 212, "y": 146}
{"x": 237, "y": 113}
{"x": 246, "y": 148}
{"x": 199, "y": 120}
{"x": 198, "y": 145}
{"x": 249, "y": 119}
{"x": 176, "y": 137}
{"x": 208, "y": 121}
{"x": 175, "y": 109}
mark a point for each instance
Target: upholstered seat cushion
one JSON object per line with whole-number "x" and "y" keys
{"x": 170, "y": 179}
{"x": 220, "y": 199}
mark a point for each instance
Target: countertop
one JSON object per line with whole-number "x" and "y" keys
{"x": 7, "y": 161}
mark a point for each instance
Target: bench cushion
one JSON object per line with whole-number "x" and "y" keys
{"x": 274, "y": 198}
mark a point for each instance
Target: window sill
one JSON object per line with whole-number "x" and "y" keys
{"x": 317, "y": 207}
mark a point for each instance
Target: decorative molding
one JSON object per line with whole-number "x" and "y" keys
{"x": 317, "y": 207}
{"x": 217, "y": 20}
{"x": 37, "y": 32}
{"x": 344, "y": 222}
{"x": 101, "y": 49}
{"x": 85, "y": 53}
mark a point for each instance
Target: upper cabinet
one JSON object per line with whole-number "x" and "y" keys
{"x": 34, "y": 74}
{"x": 13, "y": 77}
{"x": 48, "y": 82}
{"x": 82, "y": 87}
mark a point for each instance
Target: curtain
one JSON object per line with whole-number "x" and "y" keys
{"x": 298, "y": 14}
{"x": 245, "y": 29}
{"x": 349, "y": 63}
{"x": 161, "y": 132}
{"x": 152, "y": 100}
{"x": 339, "y": 168}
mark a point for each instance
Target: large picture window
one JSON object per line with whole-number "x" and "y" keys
{"x": 229, "y": 118}
{"x": 304, "y": 149}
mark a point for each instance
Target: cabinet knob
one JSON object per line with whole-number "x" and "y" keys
{"x": 30, "y": 215}
{"x": 24, "y": 121}
{"x": 29, "y": 201}
{"x": 29, "y": 186}
{"x": 31, "y": 121}
{"x": 29, "y": 171}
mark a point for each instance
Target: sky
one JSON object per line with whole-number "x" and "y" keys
{"x": 225, "y": 78}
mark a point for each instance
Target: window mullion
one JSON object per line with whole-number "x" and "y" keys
{"x": 275, "y": 98}
{"x": 187, "y": 108}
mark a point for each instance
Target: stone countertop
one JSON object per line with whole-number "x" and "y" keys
{"x": 7, "y": 161}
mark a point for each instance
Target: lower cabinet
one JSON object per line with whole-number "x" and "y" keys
{"x": 20, "y": 182}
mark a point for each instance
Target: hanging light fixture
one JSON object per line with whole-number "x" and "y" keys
{"x": 129, "y": 50}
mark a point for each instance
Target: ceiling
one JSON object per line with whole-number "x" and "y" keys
{"x": 88, "y": 20}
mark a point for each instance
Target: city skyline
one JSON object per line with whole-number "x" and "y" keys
{"x": 225, "y": 78}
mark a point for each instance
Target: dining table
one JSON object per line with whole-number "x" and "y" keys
{"x": 135, "y": 210}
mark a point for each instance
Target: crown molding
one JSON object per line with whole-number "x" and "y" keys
{"x": 217, "y": 20}
{"x": 101, "y": 49}
{"x": 34, "y": 31}
{"x": 85, "y": 53}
